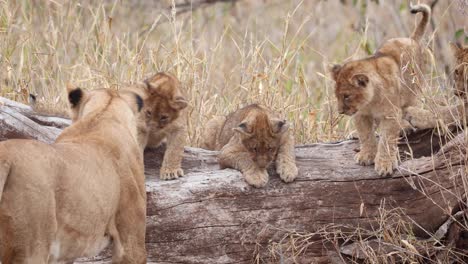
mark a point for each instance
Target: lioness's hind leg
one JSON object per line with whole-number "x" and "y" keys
{"x": 211, "y": 132}
{"x": 286, "y": 159}
{"x": 27, "y": 231}
{"x": 131, "y": 227}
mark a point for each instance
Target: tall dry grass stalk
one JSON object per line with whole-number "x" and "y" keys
{"x": 276, "y": 53}
{"x": 273, "y": 52}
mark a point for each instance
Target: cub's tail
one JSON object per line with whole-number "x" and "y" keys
{"x": 4, "y": 172}
{"x": 419, "y": 31}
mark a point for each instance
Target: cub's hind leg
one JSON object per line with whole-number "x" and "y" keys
{"x": 368, "y": 142}
{"x": 211, "y": 132}
{"x": 232, "y": 156}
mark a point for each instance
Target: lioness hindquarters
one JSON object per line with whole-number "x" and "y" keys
{"x": 251, "y": 139}
{"x": 69, "y": 199}
{"x": 379, "y": 89}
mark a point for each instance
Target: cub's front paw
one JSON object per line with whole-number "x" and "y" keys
{"x": 170, "y": 174}
{"x": 365, "y": 158}
{"x": 385, "y": 167}
{"x": 256, "y": 178}
{"x": 287, "y": 171}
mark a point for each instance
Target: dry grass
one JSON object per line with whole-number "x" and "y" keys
{"x": 276, "y": 53}
{"x": 273, "y": 52}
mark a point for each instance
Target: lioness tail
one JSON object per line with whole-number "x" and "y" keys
{"x": 419, "y": 31}
{"x": 4, "y": 172}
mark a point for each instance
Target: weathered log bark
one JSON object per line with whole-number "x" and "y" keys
{"x": 213, "y": 216}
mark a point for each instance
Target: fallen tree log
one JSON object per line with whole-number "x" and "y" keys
{"x": 213, "y": 216}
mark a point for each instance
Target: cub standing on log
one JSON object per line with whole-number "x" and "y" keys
{"x": 250, "y": 139}
{"x": 379, "y": 89}
{"x": 68, "y": 200}
{"x": 423, "y": 119}
{"x": 164, "y": 117}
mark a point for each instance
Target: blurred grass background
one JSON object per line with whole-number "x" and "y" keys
{"x": 227, "y": 54}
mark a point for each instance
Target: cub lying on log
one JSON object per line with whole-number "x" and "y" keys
{"x": 250, "y": 139}
{"x": 422, "y": 119}
{"x": 68, "y": 200}
{"x": 378, "y": 90}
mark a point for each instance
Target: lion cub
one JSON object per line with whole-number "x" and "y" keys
{"x": 423, "y": 119}
{"x": 250, "y": 139}
{"x": 164, "y": 117}
{"x": 379, "y": 89}
{"x": 70, "y": 199}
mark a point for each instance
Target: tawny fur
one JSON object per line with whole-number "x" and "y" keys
{"x": 164, "y": 117}
{"x": 249, "y": 140}
{"x": 379, "y": 89}
{"x": 446, "y": 115}
{"x": 69, "y": 199}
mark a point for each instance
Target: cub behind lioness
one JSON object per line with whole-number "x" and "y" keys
{"x": 379, "y": 89}
{"x": 163, "y": 117}
{"x": 250, "y": 139}
{"x": 72, "y": 198}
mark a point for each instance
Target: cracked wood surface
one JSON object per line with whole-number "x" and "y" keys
{"x": 213, "y": 216}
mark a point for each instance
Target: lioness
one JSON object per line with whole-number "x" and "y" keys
{"x": 250, "y": 139}
{"x": 163, "y": 117}
{"x": 447, "y": 115}
{"x": 378, "y": 89}
{"x": 70, "y": 199}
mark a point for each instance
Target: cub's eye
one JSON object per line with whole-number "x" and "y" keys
{"x": 457, "y": 72}
{"x": 346, "y": 97}
{"x": 164, "y": 118}
{"x": 148, "y": 113}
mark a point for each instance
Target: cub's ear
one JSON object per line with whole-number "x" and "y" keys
{"x": 335, "y": 70}
{"x": 360, "y": 80}
{"x": 242, "y": 128}
{"x": 179, "y": 103}
{"x": 155, "y": 81}
{"x": 280, "y": 126}
{"x": 75, "y": 95}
